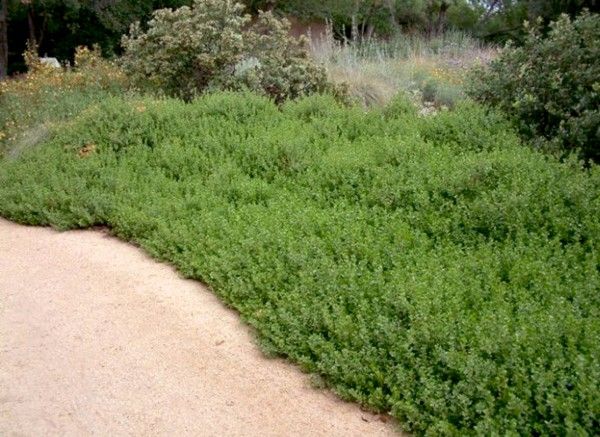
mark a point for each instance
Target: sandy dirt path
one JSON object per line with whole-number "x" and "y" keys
{"x": 98, "y": 339}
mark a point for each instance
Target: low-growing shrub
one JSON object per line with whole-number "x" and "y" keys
{"x": 550, "y": 85}
{"x": 213, "y": 45}
{"x": 430, "y": 267}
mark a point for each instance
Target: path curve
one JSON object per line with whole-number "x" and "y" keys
{"x": 98, "y": 339}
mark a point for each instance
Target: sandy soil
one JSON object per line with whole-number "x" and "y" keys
{"x": 98, "y": 339}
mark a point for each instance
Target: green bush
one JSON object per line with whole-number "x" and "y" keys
{"x": 550, "y": 85}
{"x": 430, "y": 267}
{"x": 213, "y": 45}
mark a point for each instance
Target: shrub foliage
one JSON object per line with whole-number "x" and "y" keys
{"x": 551, "y": 85}
{"x": 431, "y": 267}
{"x": 213, "y": 45}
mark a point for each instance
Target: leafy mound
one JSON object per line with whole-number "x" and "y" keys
{"x": 431, "y": 267}
{"x": 551, "y": 85}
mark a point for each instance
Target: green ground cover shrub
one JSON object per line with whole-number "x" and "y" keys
{"x": 214, "y": 45}
{"x": 550, "y": 85}
{"x": 432, "y": 267}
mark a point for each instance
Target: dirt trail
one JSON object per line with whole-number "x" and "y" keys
{"x": 98, "y": 339}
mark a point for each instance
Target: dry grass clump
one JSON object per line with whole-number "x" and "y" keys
{"x": 430, "y": 70}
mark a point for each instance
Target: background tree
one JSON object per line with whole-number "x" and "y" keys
{"x": 503, "y": 19}
{"x": 56, "y": 27}
{"x": 3, "y": 38}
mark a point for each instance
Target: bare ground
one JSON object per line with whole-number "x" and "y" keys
{"x": 98, "y": 339}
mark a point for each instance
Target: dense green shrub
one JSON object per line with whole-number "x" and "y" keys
{"x": 551, "y": 85}
{"x": 428, "y": 266}
{"x": 213, "y": 45}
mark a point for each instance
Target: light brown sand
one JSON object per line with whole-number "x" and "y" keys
{"x": 96, "y": 338}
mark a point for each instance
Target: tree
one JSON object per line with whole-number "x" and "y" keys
{"x": 503, "y": 19}
{"x": 3, "y": 38}
{"x": 56, "y": 27}
{"x": 549, "y": 85}
{"x": 214, "y": 45}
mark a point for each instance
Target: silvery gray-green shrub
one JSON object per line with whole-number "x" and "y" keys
{"x": 212, "y": 44}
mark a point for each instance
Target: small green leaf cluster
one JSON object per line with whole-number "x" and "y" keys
{"x": 213, "y": 45}
{"x": 550, "y": 85}
{"x": 431, "y": 267}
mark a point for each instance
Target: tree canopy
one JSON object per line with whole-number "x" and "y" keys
{"x": 56, "y": 27}
{"x": 491, "y": 19}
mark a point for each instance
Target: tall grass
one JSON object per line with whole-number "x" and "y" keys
{"x": 430, "y": 69}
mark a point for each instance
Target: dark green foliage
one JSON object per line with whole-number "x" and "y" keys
{"x": 382, "y": 18}
{"x": 492, "y": 20}
{"x": 431, "y": 267}
{"x": 551, "y": 85}
{"x": 503, "y": 20}
{"x": 60, "y": 26}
